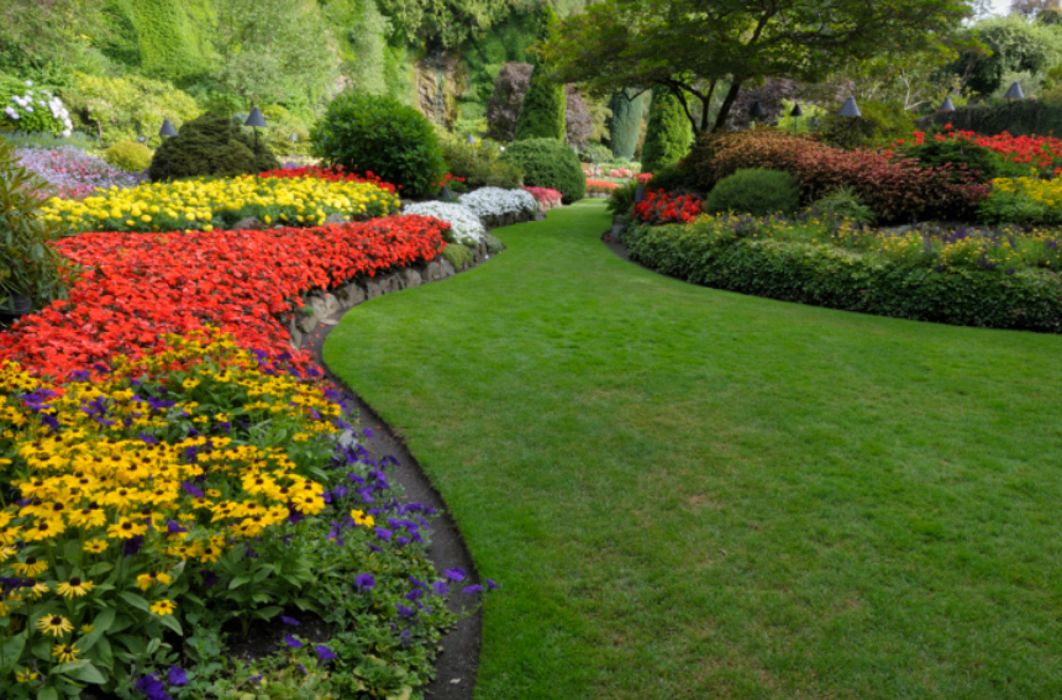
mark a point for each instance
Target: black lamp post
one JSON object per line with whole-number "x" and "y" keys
{"x": 947, "y": 106}
{"x": 256, "y": 120}
{"x": 850, "y": 109}
{"x": 757, "y": 112}
{"x": 1014, "y": 92}
{"x": 796, "y": 113}
{"x": 167, "y": 130}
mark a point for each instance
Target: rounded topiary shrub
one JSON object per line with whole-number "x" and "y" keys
{"x": 548, "y": 163}
{"x": 210, "y": 145}
{"x": 130, "y": 156}
{"x": 755, "y": 191}
{"x": 984, "y": 162}
{"x": 379, "y": 134}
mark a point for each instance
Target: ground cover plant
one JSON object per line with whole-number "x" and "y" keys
{"x": 203, "y": 204}
{"x": 465, "y": 226}
{"x": 708, "y": 494}
{"x": 70, "y": 173}
{"x": 494, "y": 201}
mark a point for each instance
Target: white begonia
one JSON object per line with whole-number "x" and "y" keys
{"x": 466, "y": 227}
{"x": 494, "y": 201}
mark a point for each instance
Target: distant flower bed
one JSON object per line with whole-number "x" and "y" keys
{"x": 494, "y": 201}
{"x": 331, "y": 174}
{"x": 544, "y": 194}
{"x": 71, "y": 173}
{"x": 465, "y": 226}
{"x": 1043, "y": 152}
{"x": 208, "y": 204}
{"x": 601, "y": 186}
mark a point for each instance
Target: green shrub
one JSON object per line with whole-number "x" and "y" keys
{"x": 755, "y": 191}
{"x": 494, "y": 244}
{"x": 672, "y": 178}
{"x": 458, "y": 255}
{"x": 478, "y": 163}
{"x": 625, "y": 124}
{"x": 130, "y": 156}
{"x": 728, "y": 257}
{"x": 847, "y": 203}
{"x": 33, "y": 268}
{"x": 282, "y": 124}
{"x": 985, "y": 162}
{"x": 595, "y": 152}
{"x": 621, "y": 201}
{"x": 548, "y": 163}
{"x": 379, "y": 134}
{"x": 668, "y": 134}
{"x": 1016, "y": 117}
{"x": 210, "y": 145}
{"x": 542, "y": 113}
{"x": 880, "y": 124}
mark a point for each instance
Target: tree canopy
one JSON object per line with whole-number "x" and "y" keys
{"x": 696, "y": 47}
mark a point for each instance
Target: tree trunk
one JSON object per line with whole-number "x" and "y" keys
{"x": 728, "y": 102}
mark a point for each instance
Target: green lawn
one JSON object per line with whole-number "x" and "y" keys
{"x": 688, "y": 493}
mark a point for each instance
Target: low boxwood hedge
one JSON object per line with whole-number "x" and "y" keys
{"x": 823, "y": 275}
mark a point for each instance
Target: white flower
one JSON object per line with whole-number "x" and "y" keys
{"x": 28, "y": 108}
{"x": 29, "y": 83}
{"x": 466, "y": 227}
{"x": 494, "y": 201}
{"x": 10, "y": 111}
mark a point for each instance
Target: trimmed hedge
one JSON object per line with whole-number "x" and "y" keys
{"x": 822, "y": 275}
{"x": 548, "y": 163}
{"x": 668, "y": 135}
{"x": 210, "y": 145}
{"x": 755, "y": 191}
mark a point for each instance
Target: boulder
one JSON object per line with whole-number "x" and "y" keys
{"x": 251, "y": 222}
{"x": 350, "y": 296}
{"x": 373, "y": 289}
{"x": 410, "y": 278}
{"x": 325, "y": 306}
{"x": 335, "y": 219}
{"x": 447, "y": 269}
{"x": 433, "y": 272}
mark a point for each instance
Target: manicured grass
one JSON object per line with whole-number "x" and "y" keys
{"x": 688, "y": 493}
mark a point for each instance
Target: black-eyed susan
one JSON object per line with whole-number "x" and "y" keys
{"x": 37, "y": 588}
{"x": 163, "y": 607}
{"x": 126, "y": 529}
{"x": 66, "y": 652}
{"x": 146, "y": 581}
{"x": 43, "y": 530}
{"x": 26, "y": 675}
{"x": 55, "y": 625}
{"x": 30, "y": 567}
{"x": 74, "y": 588}
{"x": 96, "y": 546}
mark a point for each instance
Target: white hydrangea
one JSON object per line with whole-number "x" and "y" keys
{"x": 10, "y": 111}
{"x": 494, "y": 201}
{"x": 467, "y": 228}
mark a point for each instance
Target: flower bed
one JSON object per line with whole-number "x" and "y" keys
{"x": 465, "y": 226}
{"x": 1041, "y": 152}
{"x": 998, "y": 279}
{"x": 1024, "y": 200}
{"x": 598, "y": 186}
{"x": 545, "y": 196}
{"x": 332, "y": 173}
{"x": 492, "y": 202}
{"x": 201, "y": 204}
{"x": 662, "y": 207}
{"x": 135, "y": 288}
{"x": 72, "y": 173}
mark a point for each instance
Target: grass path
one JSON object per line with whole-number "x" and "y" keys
{"x": 689, "y": 493}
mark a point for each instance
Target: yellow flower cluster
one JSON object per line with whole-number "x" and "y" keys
{"x": 203, "y": 205}
{"x": 1046, "y": 192}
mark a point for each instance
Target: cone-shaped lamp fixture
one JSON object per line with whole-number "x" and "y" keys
{"x": 255, "y": 118}
{"x": 167, "y": 129}
{"x": 1014, "y": 92}
{"x": 850, "y": 109}
{"x": 756, "y": 111}
{"x": 797, "y": 112}
{"x": 947, "y": 106}
{"x": 470, "y": 140}
{"x": 293, "y": 138}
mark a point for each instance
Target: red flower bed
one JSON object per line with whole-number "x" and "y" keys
{"x": 1045, "y": 152}
{"x": 134, "y": 287}
{"x": 331, "y": 174}
{"x": 662, "y": 207}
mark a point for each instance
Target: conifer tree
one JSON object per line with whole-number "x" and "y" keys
{"x": 668, "y": 136}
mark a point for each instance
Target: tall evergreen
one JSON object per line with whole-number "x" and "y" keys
{"x": 668, "y": 136}
{"x": 626, "y": 122}
{"x": 542, "y": 113}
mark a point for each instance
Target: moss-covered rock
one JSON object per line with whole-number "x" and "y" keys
{"x": 210, "y": 145}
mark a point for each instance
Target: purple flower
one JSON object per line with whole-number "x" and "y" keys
{"x": 476, "y": 588}
{"x": 133, "y": 545}
{"x": 325, "y": 653}
{"x": 403, "y": 611}
{"x": 455, "y": 574}
{"x": 173, "y": 527}
{"x": 302, "y": 667}
{"x": 440, "y": 588}
{"x": 491, "y": 585}
{"x": 209, "y": 577}
{"x": 256, "y": 679}
{"x": 187, "y": 487}
{"x": 289, "y": 621}
{"x": 151, "y": 686}
{"x": 177, "y": 676}
{"x": 364, "y": 581}
{"x": 383, "y": 534}
{"x": 292, "y": 642}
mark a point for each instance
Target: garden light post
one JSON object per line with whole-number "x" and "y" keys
{"x": 850, "y": 109}
{"x": 1014, "y": 92}
{"x": 947, "y": 106}
{"x": 167, "y": 130}
{"x": 757, "y": 112}
{"x": 796, "y": 114}
{"x": 471, "y": 140}
{"x": 256, "y": 120}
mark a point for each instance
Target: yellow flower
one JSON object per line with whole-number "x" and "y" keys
{"x": 30, "y": 567}
{"x": 74, "y": 588}
{"x": 146, "y": 581}
{"x": 25, "y": 676}
{"x": 66, "y": 652}
{"x": 55, "y": 625}
{"x": 163, "y": 607}
{"x": 126, "y": 529}
{"x": 96, "y": 546}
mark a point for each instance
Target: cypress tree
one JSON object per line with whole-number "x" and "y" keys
{"x": 542, "y": 114}
{"x": 669, "y": 134}
{"x": 626, "y": 122}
